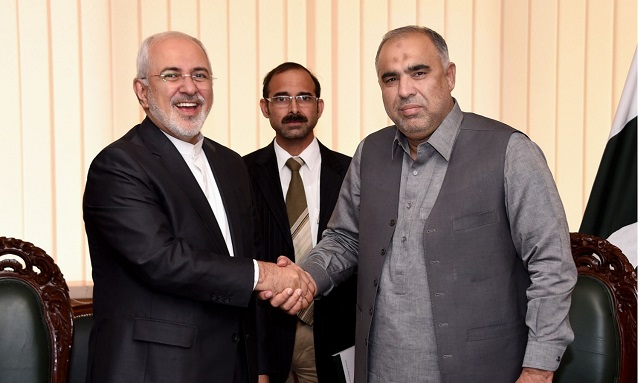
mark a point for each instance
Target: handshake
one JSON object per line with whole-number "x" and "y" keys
{"x": 285, "y": 285}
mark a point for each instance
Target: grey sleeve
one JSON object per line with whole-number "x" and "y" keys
{"x": 335, "y": 257}
{"x": 541, "y": 237}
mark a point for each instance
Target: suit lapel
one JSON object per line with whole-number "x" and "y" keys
{"x": 268, "y": 181}
{"x": 225, "y": 172}
{"x": 331, "y": 175}
{"x": 179, "y": 173}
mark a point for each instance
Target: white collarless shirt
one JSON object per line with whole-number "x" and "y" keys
{"x": 197, "y": 161}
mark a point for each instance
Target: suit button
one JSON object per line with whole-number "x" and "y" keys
{"x": 392, "y": 222}
{"x": 375, "y": 282}
{"x": 383, "y": 252}
{"x": 235, "y": 338}
{"x": 371, "y": 311}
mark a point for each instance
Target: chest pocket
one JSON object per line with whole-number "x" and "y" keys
{"x": 475, "y": 220}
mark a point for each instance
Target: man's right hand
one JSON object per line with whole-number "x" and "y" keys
{"x": 285, "y": 285}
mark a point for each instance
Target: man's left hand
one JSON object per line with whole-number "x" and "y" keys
{"x": 534, "y": 375}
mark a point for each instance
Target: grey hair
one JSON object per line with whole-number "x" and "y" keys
{"x": 438, "y": 41}
{"x": 143, "y": 60}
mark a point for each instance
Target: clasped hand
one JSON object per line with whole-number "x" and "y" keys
{"x": 285, "y": 285}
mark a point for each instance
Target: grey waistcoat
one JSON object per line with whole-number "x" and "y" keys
{"x": 477, "y": 281}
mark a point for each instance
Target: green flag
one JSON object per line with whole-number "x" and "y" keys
{"x": 612, "y": 210}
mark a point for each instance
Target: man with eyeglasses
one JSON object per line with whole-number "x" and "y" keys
{"x": 299, "y": 348}
{"x": 169, "y": 221}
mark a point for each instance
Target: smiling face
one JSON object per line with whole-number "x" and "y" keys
{"x": 294, "y": 122}
{"x": 416, "y": 87}
{"x": 178, "y": 108}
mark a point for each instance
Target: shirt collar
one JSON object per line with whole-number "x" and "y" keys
{"x": 310, "y": 155}
{"x": 442, "y": 138}
{"x": 187, "y": 149}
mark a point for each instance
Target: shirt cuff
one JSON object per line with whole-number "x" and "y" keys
{"x": 256, "y": 273}
{"x": 542, "y": 356}
{"x": 319, "y": 275}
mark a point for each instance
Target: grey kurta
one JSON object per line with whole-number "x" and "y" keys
{"x": 531, "y": 203}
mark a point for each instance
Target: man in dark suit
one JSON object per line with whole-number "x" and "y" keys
{"x": 291, "y": 101}
{"x": 169, "y": 221}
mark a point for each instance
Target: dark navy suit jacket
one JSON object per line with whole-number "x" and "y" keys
{"x": 170, "y": 304}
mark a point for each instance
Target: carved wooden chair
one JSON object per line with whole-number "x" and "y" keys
{"x": 35, "y": 315}
{"x": 603, "y": 315}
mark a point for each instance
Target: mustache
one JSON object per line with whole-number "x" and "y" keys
{"x": 294, "y": 118}
{"x": 408, "y": 101}
{"x": 195, "y": 98}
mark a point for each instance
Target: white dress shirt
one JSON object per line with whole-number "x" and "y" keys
{"x": 196, "y": 159}
{"x": 310, "y": 174}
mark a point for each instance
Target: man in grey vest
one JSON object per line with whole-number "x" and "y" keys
{"x": 457, "y": 231}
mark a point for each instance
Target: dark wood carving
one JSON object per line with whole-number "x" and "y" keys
{"x": 600, "y": 259}
{"x": 41, "y": 272}
{"x": 82, "y": 308}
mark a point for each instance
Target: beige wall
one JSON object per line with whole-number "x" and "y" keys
{"x": 552, "y": 68}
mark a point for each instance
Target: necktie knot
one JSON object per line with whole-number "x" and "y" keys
{"x": 294, "y": 163}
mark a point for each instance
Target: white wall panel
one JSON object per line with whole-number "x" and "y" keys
{"x": 154, "y": 18}
{"x": 374, "y": 26}
{"x": 321, "y": 37}
{"x": 402, "y": 12}
{"x": 515, "y": 64}
{"x": 598, "y": 85}
{"x": 459, "y": 36}
{"x": 272, "y": 51}
{"x": 11, "y": 159}
{"x": 183, "y": 16}
{"x": 570, "y": 118}
{"x": 37, "y": 123}
{"x": 68, "y": 174}
{"x": 214, "y": 17}
{"x": 543, "y": 80}
{"x": 125, "y": 40}
{"x": 487, "y": 55}
{"x": 431, "y": 13}
{"x": 243, "y": 76}
{"x": 347, "y": 62}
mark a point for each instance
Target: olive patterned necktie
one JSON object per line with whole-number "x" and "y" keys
{"x": 298, "y": 215}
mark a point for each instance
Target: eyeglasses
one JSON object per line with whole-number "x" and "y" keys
{"x": 199, "y": 78}
{"x": 284, "y": 101}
